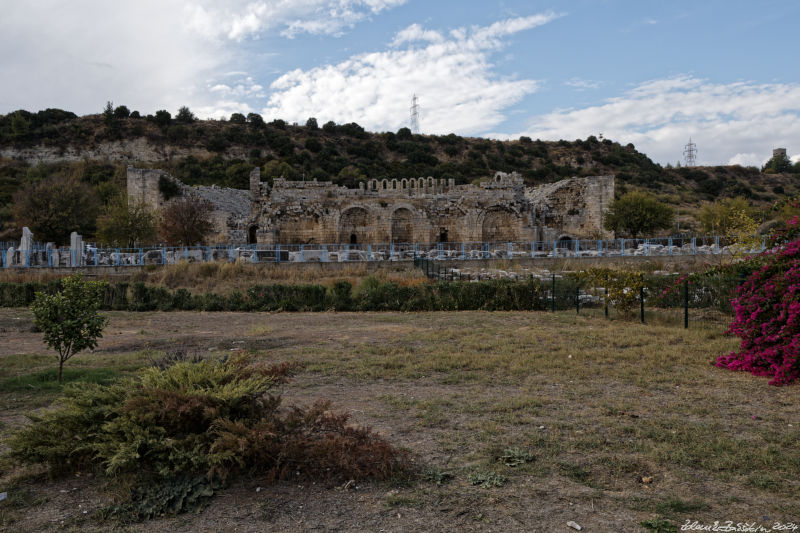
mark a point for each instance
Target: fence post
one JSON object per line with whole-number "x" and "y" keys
{"x": 577, "y": 300}
{"x": 605, "y": 303}
{"x": 686, "y": 304}
{"x": 641, "y": 300}
{"x": 278, "y": 253}
{"x": 763, "y": 242}
{"x": 694, "y": 245}
{"x": 622, "y": 246}
{"x": 577, "y": 247}
{"x": 669, "y": 245}
{"x": 553, "y": 294}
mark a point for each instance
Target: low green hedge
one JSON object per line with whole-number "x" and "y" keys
{"x": 371, "y": 295}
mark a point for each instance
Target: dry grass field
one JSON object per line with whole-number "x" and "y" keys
{"x": 607, "y": 423}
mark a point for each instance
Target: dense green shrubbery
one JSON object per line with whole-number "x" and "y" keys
{"x": 174, "y": 435}
{"x": 371, "y": 295}
{"x": 376, "y": 295}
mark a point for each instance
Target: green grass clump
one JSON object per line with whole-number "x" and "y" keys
{"x": 487, "y": 479}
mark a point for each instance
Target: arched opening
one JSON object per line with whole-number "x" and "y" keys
{"x": 252, "y": 235}
{"x": 402, "y": 225}
{"x": 443, "y": 235}
{"x": 499, "y": 225}
{"x": 565, "y": 242}
{"x": 354, "y": 226}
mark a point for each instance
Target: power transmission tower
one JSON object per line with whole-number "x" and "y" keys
{"x": 690, "y": 154}
{"x": 414, "y": 115}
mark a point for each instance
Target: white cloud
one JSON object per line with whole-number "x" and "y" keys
{"x": 581, "y": 84}
{"x": 150, "y": 54}
{"x": 750, "y": 159}
{"x": 239, "y": 19}
{"x": 728, "y": 122}
{"x": 452, "y": 76}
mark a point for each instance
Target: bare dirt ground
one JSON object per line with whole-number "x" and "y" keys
{"x": 626, "y": 423}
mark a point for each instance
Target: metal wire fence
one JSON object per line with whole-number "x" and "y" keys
{"x": 39, "y": 255}
{"x": 661, "y": 298}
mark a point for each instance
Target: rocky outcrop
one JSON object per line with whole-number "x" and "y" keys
{"x": 137, "y": 149}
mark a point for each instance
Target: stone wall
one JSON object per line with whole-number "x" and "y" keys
{"x": 427, "y": 210}
{"x": 231, "y": 206}
{"x": 419, "y": 210}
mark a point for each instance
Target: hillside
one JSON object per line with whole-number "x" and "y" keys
{"x": 96, "y": 149}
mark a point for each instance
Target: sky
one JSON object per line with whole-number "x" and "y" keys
{"x": 653, "y": 73}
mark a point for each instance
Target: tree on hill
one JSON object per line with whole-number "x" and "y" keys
{"x": 54, "y": 207}
{"x": 237, "y": 118}
{"x": 186, "y": 221}
{"x": 255, "y": 120}
{"x": 163, "y": 118}
{"x": 777, "y": 164}
{"x": 185, "y": 116}
{"x": 636, "y": 214}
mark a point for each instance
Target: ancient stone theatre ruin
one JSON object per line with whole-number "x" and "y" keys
{"x": 416, "y": 210}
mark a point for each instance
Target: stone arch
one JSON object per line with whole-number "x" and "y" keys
{"x": 420, "y": 183}
{"x": 431, "y": 182}
{"x": 402, "y": 225}
{"x": 373, "y": 184}
{"x": 565, "y": 242}
{"x": 252, "y": 234}
{"x": 394, "y": 184}
{"x": 404, "y": 184}
{"x": 384, "y": 184}
{"x": 354, "y": 225}
{"x": 499, "y": 225}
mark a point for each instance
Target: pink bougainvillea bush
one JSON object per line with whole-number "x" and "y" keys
{"x": 767, "y": 319}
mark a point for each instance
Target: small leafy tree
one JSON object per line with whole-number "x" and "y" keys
{"x": 69, "y": 318}
{"x": 636, "y": 213}
{"x": 186, "y": 220}
{"x": 255, "y": 120}
{"x": 237, "y": 118}
{"x": 185, "y": 116}
{"x": 725, "y": 216}
{"x": 777, "y": 164}
{"x": 54, "y": 207}
{"x": 126, "y": 224}
{"x": 122, "y": 112}
{"x": 163, "y": 118}
{"x": 735, "y": 220}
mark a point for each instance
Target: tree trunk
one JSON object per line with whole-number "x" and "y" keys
{"x": 60, "y": 368}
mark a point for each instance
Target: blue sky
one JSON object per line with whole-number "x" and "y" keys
{"x": 649, "y": 72}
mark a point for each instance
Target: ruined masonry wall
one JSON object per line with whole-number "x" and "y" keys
{"x": 420, "y": 210}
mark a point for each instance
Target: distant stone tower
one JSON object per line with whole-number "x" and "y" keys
{"x": 779, "y": 152}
